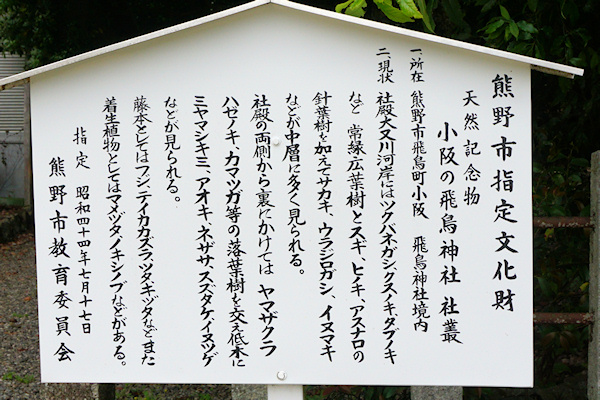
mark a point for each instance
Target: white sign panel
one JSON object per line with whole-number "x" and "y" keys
{"x": 277, "y": 192}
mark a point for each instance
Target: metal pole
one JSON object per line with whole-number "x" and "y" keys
{"x": 594, "y": 308}
{"x": 562, "y": 222}
{"x": 563, "y": 318}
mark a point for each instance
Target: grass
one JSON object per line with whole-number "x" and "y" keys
{"x": 12, "y": 376}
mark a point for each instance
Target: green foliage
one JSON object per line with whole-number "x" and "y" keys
{"x": 393, "y": 13}
{"x": 427, "y": 19}
{"x": 342, "y": 392}
{"x": 519, "y": 35}
{"x": 356, "y": 8}
{"x": 12, "y": 376}
{"x": 405, "y": 11}
{"x": 456, "y": 16}
{"x": 130, "y": 391}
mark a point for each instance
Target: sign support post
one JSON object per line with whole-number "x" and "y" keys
{"x": 285, "y": 392}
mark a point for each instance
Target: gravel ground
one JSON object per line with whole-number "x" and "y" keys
{"x": 19, "y": 344}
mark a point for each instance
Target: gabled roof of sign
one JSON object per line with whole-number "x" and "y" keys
{"x": 540, "y": 65}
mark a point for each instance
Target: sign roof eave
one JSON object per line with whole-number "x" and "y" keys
{"x": 540, "y": 65}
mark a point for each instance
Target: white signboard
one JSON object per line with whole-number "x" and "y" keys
{"x": 281, "y": 198}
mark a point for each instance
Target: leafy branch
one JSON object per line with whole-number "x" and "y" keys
{"x": 405, "y": 12}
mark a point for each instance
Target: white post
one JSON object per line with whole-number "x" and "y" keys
{"x": 285, "y": 392}
{"x": 594, "y": 298}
